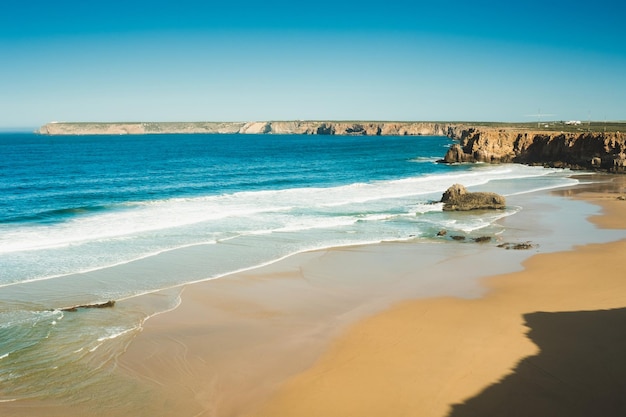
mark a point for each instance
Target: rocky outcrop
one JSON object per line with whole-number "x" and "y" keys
{"x": 457, "y": 198}
{"x": 456, "y": 154}
{"x": 516, "y": 246}
{"x": 604, "y": 151}
{"x": 106, "y": 304}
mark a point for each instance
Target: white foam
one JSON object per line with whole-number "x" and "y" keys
{"x": 567, "y": 183}
{"x": 174, "y": 213}
{"x": 422, "y": 159}
{"x": 143, "y": 230}
{"x": 427, "y": 208}
{"x": 106, "y": 265}
{"x": 93, "y": 349}
{"x": 117, "y": 333}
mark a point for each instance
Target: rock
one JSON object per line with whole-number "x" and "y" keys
{"x": 107, "y": 304}
{"x": 516, "y": 246}
{"x": 619, "y": 163}
{"x": 455, "y": 154}
{"x": 457, "y": 198}
{"x": 482, "y": 239}
{"x": 456, "y": 237}
{"x": 575, "y": 150}
{"x": 454, "y": 192}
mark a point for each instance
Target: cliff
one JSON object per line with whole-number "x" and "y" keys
{"x": 139, "y": 128}
{"x": 604, "y": 151}
{"x": 289, "y": 127}
{"x": 478, "y": 142}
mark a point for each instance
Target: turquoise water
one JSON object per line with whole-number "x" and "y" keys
{"x": 175, "y": 209}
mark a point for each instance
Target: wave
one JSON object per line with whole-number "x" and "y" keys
{"x": 568, "y": 182}
{"x": 156, "y": 215}
{"x": 56, "y": 215}
{"x": 368, "y": 211}
{"x": 89, "y": 269}
{"x": 427, "y": 159}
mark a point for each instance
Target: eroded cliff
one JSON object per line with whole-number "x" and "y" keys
{"x": 288, "y": 127}
{"x": 139, "y": 128}
{"x": 604, "y": 151}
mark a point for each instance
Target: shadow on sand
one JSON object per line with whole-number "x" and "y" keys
{"x": 579, "y": 371}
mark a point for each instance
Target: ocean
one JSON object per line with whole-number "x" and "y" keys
{"x": 189, "y": 208}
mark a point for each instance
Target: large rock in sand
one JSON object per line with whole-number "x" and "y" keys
{"x": 458, "y": 198}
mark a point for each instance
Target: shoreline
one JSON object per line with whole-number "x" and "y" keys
{"x": 202, "y": 358}
{"x": 556, "y": 144}
{"x": 521, "y": 349}
{"x": 289, "y": 309}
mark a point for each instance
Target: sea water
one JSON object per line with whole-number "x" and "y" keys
{"x": 87, "y": 219}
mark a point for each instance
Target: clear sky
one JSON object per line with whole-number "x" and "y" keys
{"x": 240, "y": 60}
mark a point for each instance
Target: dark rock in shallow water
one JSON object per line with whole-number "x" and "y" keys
{"x": 516, "y": 246}
{"x": 456, "y": 237}
{"x": 457, "y": 198}
{"x": 482, "y": 239}
{"x": 107, "y": 304}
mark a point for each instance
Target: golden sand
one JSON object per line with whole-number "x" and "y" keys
{"x": 496, "y": 355}
{"x": 289, "y": 339}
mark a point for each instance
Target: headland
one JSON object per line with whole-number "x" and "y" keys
{"x": 298, "y": 127}
{"x": 591, "y": 146}
{"x": 289, "y": 338}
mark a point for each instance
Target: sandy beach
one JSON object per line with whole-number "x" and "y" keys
{"x": 296, "y": 338}
{"x": 338, "y": 209}
{"x": 426, "y": 328}
{"x": 546, "y": 341}
{"x": 234, "y": 341}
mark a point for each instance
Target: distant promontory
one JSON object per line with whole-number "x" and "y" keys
{"x": 589, "y": 146}
{"x": 278, "y": 127}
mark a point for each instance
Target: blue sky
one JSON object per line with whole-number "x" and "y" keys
{"x": 188, "y": 60}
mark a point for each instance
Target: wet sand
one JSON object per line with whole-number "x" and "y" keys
{"x": 407, "y": 328}
{"x": 234, "y": 341}
{"x": 546, "y": 341}
{"x": 328, "y": 333}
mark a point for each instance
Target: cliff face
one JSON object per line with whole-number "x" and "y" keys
{"x": 578, "y": 150}
{"x": 138, "y": 128}
{"x": 604, "y": 151}
{"x": 291, "y": 127}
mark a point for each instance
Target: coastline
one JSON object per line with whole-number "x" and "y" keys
{"x": 542, "y": 341}
{"x": 238, "y": 345}
{"x": 555, "y": 144}
{"x": 203, "y": 357}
